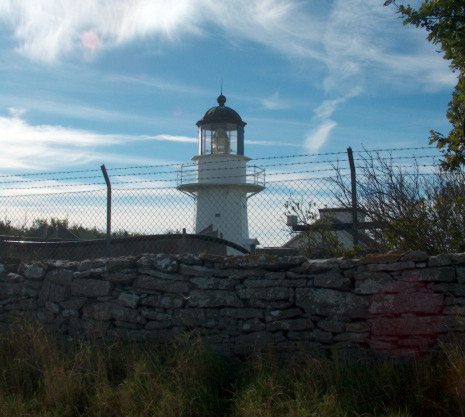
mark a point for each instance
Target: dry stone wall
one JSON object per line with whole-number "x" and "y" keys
{"x": 396, "y": 304}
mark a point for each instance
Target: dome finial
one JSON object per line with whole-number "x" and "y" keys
{"x": 221, "y": 100}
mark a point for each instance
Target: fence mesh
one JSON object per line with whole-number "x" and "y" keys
{"x": 64, "y": 214}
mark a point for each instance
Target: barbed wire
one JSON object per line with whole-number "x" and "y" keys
{"x": 194, "y": 166}
{"x": 301, "y": 155}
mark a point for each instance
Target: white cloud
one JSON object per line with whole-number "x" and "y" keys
{"x": 274, "y": 102}
{"x": 328, "y": 107}
{"x": 172, "y": 138}
{"x": 318, "y": 137}
{"x": 28, "y": 146}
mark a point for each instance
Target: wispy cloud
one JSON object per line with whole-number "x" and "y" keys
{"x": 318, "y": 137}
{"x": 40, "y": 147}
{"x": 354, "y": 39}
{"x": 274, "y": 102}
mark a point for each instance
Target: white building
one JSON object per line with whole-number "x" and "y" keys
{"x": 220, "y": 179}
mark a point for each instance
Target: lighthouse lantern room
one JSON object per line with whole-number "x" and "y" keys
{"x": 220, "y": 179}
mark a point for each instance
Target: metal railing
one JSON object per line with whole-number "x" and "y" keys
{"x": 189, "y": 174}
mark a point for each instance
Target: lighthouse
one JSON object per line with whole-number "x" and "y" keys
{"x": 220, "y": 180}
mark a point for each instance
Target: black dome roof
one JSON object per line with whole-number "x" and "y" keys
{"x": 221, "y": 114}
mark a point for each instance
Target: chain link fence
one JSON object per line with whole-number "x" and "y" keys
{"x": 67, "y": 215}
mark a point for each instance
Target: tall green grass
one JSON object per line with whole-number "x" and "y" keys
{"x": 41, "y": 375}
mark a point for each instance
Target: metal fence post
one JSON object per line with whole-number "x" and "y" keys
{"x": 353, "y": 183}
{"x": 107, "y": 180}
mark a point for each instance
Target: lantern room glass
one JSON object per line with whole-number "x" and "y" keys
{"x": 221, "y": 139}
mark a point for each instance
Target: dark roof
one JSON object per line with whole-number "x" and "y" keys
{"x": 221, "y": 114}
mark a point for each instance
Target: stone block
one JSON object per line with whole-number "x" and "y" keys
{"x": 73, "y": 303}
{"x": 146, "y": 282}
{"x": 461, "y": 275}
{"x": 252, "y": 325}
{"x": 52, "y": 292}
{"x": 457, "y": 258}
{"x": 52, "y": 307}
{"x": 242, "y": 313}
{"x": 239, "y": 273}
{"x": 415, "y": 256}
{"x": 90, "y": 287}
{"x": 162, "y": 301}
{"x": 272, "y": 315}
{"x": 296, "y": 324}
{"x": 212, "y": 283}
{"x": 196, "y": 271}
{"x": 373, "y": 282}
{"x": 332, "y": 279}
{"x": 68, "y": 313}
{"x": 268, "y": 294}
{"x": 405, "y": 325}
{"x": 391, "y": 267}
{"x": 162, "y": 262}
{"x": 152, "y": 325}
{"x": 89, "y": 264}
{"x": 197, "y": 317}
{"x": 111, "y": 311}
{"x": 439, "y": 260}
{"x": 457, "y": 290}
{"x": 351, "y": 337}
{"x": 118, "y": 264}
{"x": 35, "y": 270}
{"x": 160, "y": 274}
{"x": 264, "y": 283}
{"x": 421, "y": 302}
{"x": 315, "y": 266}
{"x": 312, "y": 335}
{"x": 357, "y": 327}
{"x": 129, "y": 299}
{"x": 14, "y": 278}
{"x": 332, "y": 326}
{"x": 267, "y": 262}
{"x": 442, "y": 274}
{"x": 94, "y": 273}
{"x": 154, "y": 314}
{"x": 120, "y": 277}
{"x": 165, "y": 262}
{"x": 327, "y": 302}
{"x": 24, "y": 304}
{"x": 60, "y": 276}
{"x": 213, "y": 298}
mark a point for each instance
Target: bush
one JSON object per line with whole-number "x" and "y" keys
{"x": 414, "y": 209}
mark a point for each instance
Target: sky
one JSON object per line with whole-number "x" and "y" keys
{"x": 123, "y": 82}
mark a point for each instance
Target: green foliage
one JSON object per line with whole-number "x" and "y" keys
{"x": 444, "y": 20}
{"x": 45, "y": 376}
{"x": 52, "y": 226}
{"x": 414, "y": 210}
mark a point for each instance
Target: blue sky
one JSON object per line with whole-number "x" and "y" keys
{"x": 123, "y": 82}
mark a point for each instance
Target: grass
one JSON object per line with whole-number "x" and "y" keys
{"x": 48, "y": 377}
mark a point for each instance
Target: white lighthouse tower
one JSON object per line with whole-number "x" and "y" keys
{"x": 220, "y": 179}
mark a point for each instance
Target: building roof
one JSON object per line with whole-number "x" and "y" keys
{"x": 221, "y": 114}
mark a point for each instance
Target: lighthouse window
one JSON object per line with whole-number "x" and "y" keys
{"x": 218, "y": 139}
